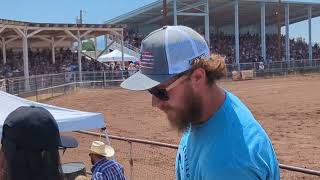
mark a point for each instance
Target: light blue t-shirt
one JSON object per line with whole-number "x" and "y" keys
{"x": 231, "y": 145}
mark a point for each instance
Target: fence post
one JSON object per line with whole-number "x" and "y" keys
{"x": 94, "y": 79}
{"x": 51, "y": 79}
{"x": 64, "y": 86}
{"x": 104, "y": 79}
{"x": 131, "y": 161}
{"x": 74, "y": 81}
{"x": 7, "y": 86}
{"x": 35, "y": 79}
{"x": 19, "y": 88}
{"x": 42, "y": 82}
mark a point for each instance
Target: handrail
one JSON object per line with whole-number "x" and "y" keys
{"x": 172, "y": 146}
{"x": 142, "y": 141}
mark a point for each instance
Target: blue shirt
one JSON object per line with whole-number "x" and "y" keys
{"x": 107, "y": 170}
{"x": 231, "y": 145}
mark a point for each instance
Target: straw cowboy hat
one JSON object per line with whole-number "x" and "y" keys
{"x": 98, "y": 147}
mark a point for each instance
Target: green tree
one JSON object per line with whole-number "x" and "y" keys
{"x": 88, "y": 45}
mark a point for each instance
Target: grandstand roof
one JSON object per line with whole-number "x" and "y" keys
{"x": 221, "y": 12}
{"x": 10, "y": 29}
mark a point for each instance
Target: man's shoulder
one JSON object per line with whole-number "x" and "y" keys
{"x": 106, "y": 164}
{"x": 110, "y": 163}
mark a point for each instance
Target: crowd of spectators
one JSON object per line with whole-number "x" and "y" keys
{"x": 40, "y": 62}
{"x": 250, "y": 47}
{"x": 133, "y": 38}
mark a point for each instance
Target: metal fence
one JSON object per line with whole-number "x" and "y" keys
{"x": 135, "y": 159}
{"x": 53, "y": 84}
{"x": 27, "y": 87}
{"x": 277, "y": 68}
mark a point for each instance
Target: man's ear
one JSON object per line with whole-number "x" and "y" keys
{"x": 198, "y": 76}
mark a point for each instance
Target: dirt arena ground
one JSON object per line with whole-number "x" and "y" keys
{"x": 288, "y": 108}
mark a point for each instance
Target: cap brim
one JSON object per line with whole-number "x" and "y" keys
{"x": 139, "y": 81}
{"x": 68, "y": 142}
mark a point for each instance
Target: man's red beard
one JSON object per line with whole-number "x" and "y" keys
{"x": 191, "y": 112}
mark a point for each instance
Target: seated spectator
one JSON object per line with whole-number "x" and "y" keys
{"x": 30, "y": 143}
{"x": 103, "y": 168}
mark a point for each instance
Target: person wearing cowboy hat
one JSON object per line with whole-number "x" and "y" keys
{"x": 103, "y": 167}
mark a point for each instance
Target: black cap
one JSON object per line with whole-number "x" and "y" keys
{"x": 31, "y": 127}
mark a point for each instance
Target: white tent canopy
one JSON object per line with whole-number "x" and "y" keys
{"x": 116, "y": 55}
{"x": 67, "y": 119}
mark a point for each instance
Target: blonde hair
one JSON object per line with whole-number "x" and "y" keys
{"x": 215, "y": 67}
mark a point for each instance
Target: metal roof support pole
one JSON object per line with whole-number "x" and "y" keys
{"x": 122, "y": 56}
{"x": 79, "y": 56}
{"x": 106, "y": 37}
{"x": 286, "y": 10}
{"x": 25, "y": 58}
{"x": 263, "y": 31}
{"x": 279, "y": 11}
{"x": 207, "y": 24}
{"x": 236, "y": 32}
{"x": 310, "y": 30}
{"x": 4, "y": 54}
{"x": 164, "y": 13}
{"x": 175, "y": 18}
{"x": 53, "y": 51}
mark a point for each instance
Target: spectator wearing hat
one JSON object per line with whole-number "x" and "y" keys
{"x": 221, "y": 138}
{"x": 104, "y": 168}
{"x": 30, "y": 143}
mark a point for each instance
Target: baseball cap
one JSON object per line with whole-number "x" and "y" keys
{"x": 166, "y": 52}
{"x": 30, "y": 127}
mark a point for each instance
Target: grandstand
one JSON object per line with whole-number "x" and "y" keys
{"x": 242, "y": 30}
{"x": 22, "y": 40}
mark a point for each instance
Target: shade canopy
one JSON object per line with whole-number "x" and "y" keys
{"x": 67, "y": 119}
{"x": 116, "y": 55}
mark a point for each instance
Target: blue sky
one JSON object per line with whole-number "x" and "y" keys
{"x": 98, "y": 11}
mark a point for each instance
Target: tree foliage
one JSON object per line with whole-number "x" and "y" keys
{"x": 88, "y": 45}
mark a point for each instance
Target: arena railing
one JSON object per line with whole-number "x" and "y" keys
{"x": 54, "y": 83}
{"x": 2, "y": 85}
{"x": 38, "y": 83}
{"x": 175, "y": 147}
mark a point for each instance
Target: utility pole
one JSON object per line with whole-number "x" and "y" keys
{"x": 80, "y": 16}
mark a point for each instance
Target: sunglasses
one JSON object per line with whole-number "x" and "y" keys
{"x": 162, "y": 93}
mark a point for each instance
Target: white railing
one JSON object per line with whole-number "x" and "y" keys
{"x": 2, "y": 85}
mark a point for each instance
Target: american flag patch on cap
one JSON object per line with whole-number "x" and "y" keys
{"x": 147, "y": 60}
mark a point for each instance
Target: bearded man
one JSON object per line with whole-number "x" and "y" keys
{"x": 221, "y": 138}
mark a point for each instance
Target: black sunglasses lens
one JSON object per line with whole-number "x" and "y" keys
{"x": 159, "y": 93}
